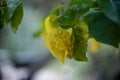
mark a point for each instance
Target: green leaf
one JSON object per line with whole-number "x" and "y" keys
{"x": 56, "y": 10}
{"x": 67, "y": 19}
{"x": 95, "y": 5}
{"x": 37, "y": 33}
{"x": 87, "y": 15}
{"x": 111, "y": 8}
{"x": 40, "y": 31}
{"x": 17, "y": 17}
{"x": 12, "y": 12}
{"x": 80, "y": 5}
{"x": 71, "y": 15}
{"x": 79, "y": 40}
{"x": 12, "y": 5}
{"x": 5, "y": 11}
{"x": 103, "y": 29}
{"x": 6, "y": 15}
{"x": 1, "y": 19}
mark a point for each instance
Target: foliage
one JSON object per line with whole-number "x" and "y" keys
{"x": 11, "y": 11}
{"x": 71, "y": 42}
{"x": 99, "y": 15}
{"x": 66, "y": 33}
{"x": 90, "y": 18}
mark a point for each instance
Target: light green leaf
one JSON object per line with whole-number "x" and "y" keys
{"x": 17, "y": 17}
{"x": 79, "y": 40}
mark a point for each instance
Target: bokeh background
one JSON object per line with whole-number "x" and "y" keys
{"x": 24, "y": 57}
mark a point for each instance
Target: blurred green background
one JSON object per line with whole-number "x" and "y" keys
{"x": 23, "y": 57}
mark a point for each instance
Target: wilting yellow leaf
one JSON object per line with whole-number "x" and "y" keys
{"x": 57, "y": 39}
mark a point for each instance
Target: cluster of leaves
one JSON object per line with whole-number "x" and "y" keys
{"x": 100, "y": 17}
{"x": 71, "y": 42}
{"x": 11, "y": 11}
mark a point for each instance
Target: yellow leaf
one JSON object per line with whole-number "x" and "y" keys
{"x": 57, "y": 39}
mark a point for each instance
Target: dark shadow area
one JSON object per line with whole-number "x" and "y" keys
{"x": 117, "y": 76}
